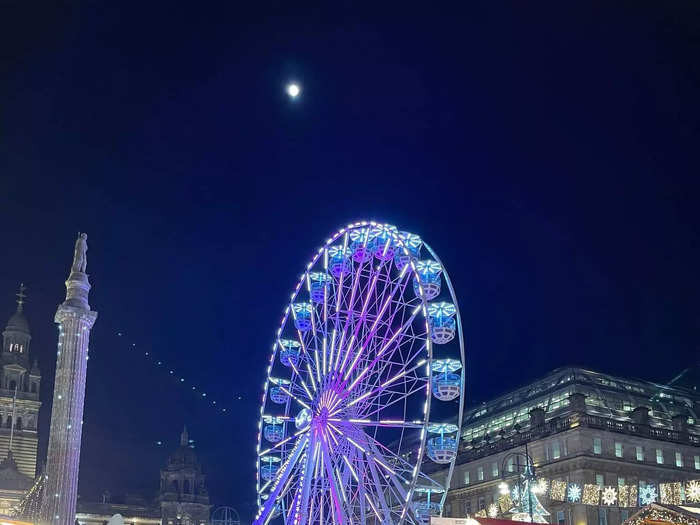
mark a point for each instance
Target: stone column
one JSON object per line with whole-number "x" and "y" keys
{"x": 74, "y": 319}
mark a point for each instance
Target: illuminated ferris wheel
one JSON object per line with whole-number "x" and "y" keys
{"x": 362, "y": 405}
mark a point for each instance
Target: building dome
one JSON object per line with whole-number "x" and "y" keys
{"x": 184, "y": 456}
{"x": 18, "y": 323}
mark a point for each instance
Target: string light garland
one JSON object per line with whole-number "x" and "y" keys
{"x": 557, "y": 490}
{"x": 591, "y": 494}
{"x": 671, "y": 493}
{"x": 505, "y": 502}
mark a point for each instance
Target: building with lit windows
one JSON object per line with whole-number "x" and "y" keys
{"x": 582, "y": 428}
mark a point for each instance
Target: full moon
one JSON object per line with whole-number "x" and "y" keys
{"x": 293, "y": 89}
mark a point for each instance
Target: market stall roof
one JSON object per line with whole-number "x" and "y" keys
{"x": 663, "y": 514}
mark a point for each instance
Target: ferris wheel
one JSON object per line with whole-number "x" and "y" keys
{"x": 362, "y": 405}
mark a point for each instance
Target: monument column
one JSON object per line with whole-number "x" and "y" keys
{"x": 74, "y": 319}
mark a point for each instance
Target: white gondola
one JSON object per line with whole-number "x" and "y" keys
{"x": 442, "y": 324}
{"x": 383, "y": 242}
{"x": 274, "y": 428}
{"x": 442, "y": 448}
{"x": 360, "y": 246}
{"x": 446, "y": 384}
{"x": 429, "y": 274}
{"x": 302, "y": 316}
{"x": 412, "y": 243}
{"x": 269, "y": 465}
{"x": 277, "y": 395}
{"x": 338, "y": 261}
{"x": 318, "y": 286}
{"x": 289, "y": 352}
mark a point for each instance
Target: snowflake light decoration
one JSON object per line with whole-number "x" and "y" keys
{"x": 492, "y": 510}
{"x": 647, "y": 494}
{"x": 692, "y": 491}
{"x": 609, "y": 496}
{"x": 574, "y": 492}
{"x": 541, "y": 486}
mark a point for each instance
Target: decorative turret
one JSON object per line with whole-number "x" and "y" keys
{"x": 184, "y": 499}
{"x": 16, "y": 336}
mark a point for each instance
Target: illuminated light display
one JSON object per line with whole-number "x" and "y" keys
{"x": 591, "y": 494}
{"x": 492, "y": 510}
{"x": 557, "y": 490}
{"x": 354, "y": 378}
{"x": 574, "y": 493}
{"x": 609, "y": 496}
{"x": 647, "y": 494}
{"x": 692, "y": 491}
{"x": 505, "y": 503}
{"x": 671, "y": 493}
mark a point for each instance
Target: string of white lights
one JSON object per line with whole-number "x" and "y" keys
{"x": 180, "y": 379}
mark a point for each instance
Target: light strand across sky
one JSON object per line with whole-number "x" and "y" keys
{"x": 179, "y": 378}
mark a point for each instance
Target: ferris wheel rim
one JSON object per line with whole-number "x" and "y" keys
{"x": 277, "y": 348}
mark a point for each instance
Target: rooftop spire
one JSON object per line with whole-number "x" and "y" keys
{"x": 184, "y": 437}
{"x": 20, "y": 297}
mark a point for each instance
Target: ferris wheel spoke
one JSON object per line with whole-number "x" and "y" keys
{"x": 281, "y": 481}
{"x": 336, "y": 506}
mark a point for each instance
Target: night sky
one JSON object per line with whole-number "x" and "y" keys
{"x": 547, "y": 151}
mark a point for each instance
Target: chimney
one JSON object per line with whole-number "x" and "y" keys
{"x": 577, "y": 402}
{"x": 680, "y": 423}
{"x": 640, "y": 415}
{"x": 536, "y": 417}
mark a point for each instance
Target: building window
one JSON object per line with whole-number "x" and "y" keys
{"x": 468, "y": 507}
{"x": 618, "y": 450}
{"x": 602, "y": 516}
{"x": 697, "y": 462}
{"x": 659, "y": 456}
{"x": 556, "y": 451}
{"x": 600, "y": 480}
{"x": 640, "y": 453}
{"x": 482, "y": 503}
{"x": 620, "y": 482}
{"x": 466, "y": 477}
{"x": 480, "y": 475}
{"x": 511, "y": 466}
{"x": 560, "y": 517}
{"x": 565, "y": 450}
{"x": 597, "y": 446}
{"x": 624, "y": 514}
{"x": 679, "y": 460}
{"x": 494, "y": 469}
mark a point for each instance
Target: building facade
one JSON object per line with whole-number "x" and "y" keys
{"x": 20, "y": 383}
{"x": 184, "y": 498}
{"x": 583, "y": 428}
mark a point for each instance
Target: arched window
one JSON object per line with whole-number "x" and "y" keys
{"x": 9, "y": 422}
{"x": 18, "y": 425}
{"x": 176, "y": 486}
{"x": 33, "y": 388}
{"x": 186, "y": 486}
{"x": 13, "y": 384}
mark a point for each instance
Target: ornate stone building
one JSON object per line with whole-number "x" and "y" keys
{"x": 184, "y": 499}
{"x": 583, "y": 428}
{"x": 24, "y": 378}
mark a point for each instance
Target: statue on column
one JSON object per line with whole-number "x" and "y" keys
{"x": 80, "y": 254}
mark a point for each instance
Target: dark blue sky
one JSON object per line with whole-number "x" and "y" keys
{"x": 548, "y": 153}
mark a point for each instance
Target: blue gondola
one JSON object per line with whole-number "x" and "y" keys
{"x": 302, "y": 316}
{"x": 338, "y": 261}
{"x": 429, "y": 273}
{"x": 289, "y": 353}
{"x": 412, "y": 243}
